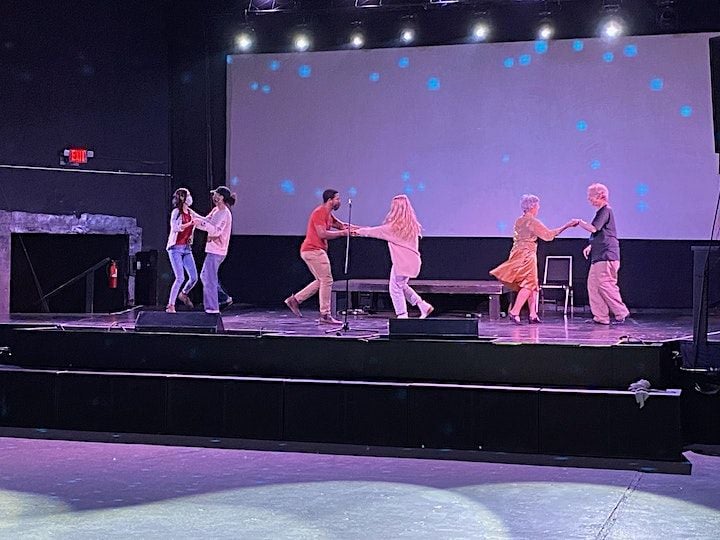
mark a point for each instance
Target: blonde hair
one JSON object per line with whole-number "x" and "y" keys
{"x": 528, "y": 202}
{"x": 402, "y": 219}
{"x": 599, "y": 190}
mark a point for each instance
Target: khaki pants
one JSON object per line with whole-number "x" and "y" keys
{"x": 319, "y": 265}
{"x": 604, "y": 292}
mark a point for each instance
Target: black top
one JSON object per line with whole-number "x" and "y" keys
{"x": 604, "y": 241}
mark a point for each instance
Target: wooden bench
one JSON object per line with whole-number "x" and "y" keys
{"x": 492, "y": 289}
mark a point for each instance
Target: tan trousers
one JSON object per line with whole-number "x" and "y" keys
{"x": 319, "y": 264}
{"x": 604, "y": 292}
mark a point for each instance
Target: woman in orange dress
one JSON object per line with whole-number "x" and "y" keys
{"x": 520, "y": 271}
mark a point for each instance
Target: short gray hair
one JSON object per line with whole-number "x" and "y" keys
{"x": 528, "y": 202}
{"x": 599, "y": 190}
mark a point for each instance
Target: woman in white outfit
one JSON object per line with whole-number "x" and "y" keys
{"x": 401, "y": 230}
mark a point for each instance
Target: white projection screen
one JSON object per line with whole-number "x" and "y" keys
{"x": 465, "y": 130}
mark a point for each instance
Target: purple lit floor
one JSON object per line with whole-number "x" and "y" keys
{"x": 67, "y": 489}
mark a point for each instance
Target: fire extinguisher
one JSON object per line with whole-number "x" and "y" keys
{"x": 113, "y": 275}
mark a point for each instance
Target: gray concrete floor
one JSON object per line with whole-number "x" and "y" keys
{"x": 69, "y": 489}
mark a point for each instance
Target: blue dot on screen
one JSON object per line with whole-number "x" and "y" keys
{"x": 433, "y": 83}
{"x": 608, "y": 57}
{"x": 229, "y": 59}
{"x": 656, "y": 84}
{"x": 266, "y": 88}
{"x": 405, "y": 176}
{"x": 274, "y": 65}
{"x": 581, "y": 125}
{"x": 318, "y": 192}
{"x": 374, "y": 76}
{"x": 287, "y": 186}
{"x": 595, "y": 164}
{"x": 304, "y": 71}
{"x": 421, "y": 186}
{"x": 630, "y": 50}
{"x": 506, "y": 158}
{"x": 254, "y": 86}
{"x": 642, "y": 189}
{"x": 686, "y": 111}
{"x": 408, "y": 189}
{"x": 642, "y": 206}
{"x": 524, "y": 60}
{"x": 578, "y": 45}
{"x": 234, "y": 181}
{"x": 502, "y": 226}
{"x": 404, "y": 62}
{"x": 541, "y": 47}
{"x": 509, "y": 62}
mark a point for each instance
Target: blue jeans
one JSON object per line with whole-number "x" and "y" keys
{"x": 181, "y": 260}
{"x": 209, "y": 277}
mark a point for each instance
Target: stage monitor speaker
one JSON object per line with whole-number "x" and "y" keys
{"x": 715, "y": 84}
{"x": 188, "y": 322}
{"x": 436, "y": 328}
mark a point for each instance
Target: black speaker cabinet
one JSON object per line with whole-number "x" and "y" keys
{"x": 188, "y": 322}
{"x": 436, "y": 328}
{"x": 715, "y": 84}
{"x": 146, "y": 273}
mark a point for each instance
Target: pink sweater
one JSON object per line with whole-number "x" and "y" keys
{"x": 404, "y": 253}
{"x": 218, "y": 224}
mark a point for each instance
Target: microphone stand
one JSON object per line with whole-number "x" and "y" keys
{"x": 346, "y": 326}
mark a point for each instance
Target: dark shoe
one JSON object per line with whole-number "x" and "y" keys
{"x": 515, "y": 319}
{"x": 535, "y": 320}
{"x": 328, "y": 319}
{"x": 227, "y": 303}
{"x": 185, "y": 299}
{"x": 292, "y": 303}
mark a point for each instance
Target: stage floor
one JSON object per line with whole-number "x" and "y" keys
{"x": 555, "y": 329}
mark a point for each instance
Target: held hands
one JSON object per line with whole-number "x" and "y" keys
{"x": 586, "y": 251}
{"x": 572, "y": 223}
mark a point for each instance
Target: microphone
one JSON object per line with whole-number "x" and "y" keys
{"x": 349, "y": 202}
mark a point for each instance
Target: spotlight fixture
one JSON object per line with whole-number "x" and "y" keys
{"x": 356, "y": 40}
{"x": 611, "y": 23}
{"x": 408, "y": 29}
{"x": 546, "y": 30}
{"x": 407, "y": 35}
{"x": 301, "y": 41}
{"x": 480, "y": 30}
{"x": 245, "y": 40}
{"x": 667, "y": 15}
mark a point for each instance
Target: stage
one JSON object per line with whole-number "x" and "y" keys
{"x": 513, "y": 393}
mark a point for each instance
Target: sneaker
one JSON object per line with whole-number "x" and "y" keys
{"x": 599, "y": 321}
{"x": 328, "y": 319}
{"x": 402, "y": 316}
{"x": 292, "y": 303}
{"x": 425, "y": 309}
{"x": 170, "y": 309}
{"x": 183, "y": 297}
{"x": 227, "y": 303}
{"x": 213, "y": 311}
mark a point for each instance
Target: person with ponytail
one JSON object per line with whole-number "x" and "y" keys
{"x": 179, "y": 248}
{"x": 218, "y": 225}
{"x": 401, "y": 230}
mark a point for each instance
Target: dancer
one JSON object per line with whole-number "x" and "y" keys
{"x": 401, "y": 230}
{"x": 520, "y": 271}
{"x": 604, "y": 253}
{"x": 179, "y": 248}
{"x": 322, "y": 226}
{"x": 218, "y": 224}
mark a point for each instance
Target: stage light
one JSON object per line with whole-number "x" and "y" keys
{"x": 245, "y": 41}
{"x": 357, "y": 39}
{"x": 480, "y": 31}
{"x": 407, "y": 35}
{"x": 612, "y": 28}
{"x": 667, "y": 15}
{"x": 302, "y": 41}
{"x": 546, "y": 30}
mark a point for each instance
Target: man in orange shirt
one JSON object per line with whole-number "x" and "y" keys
{"x": 322, "y": 226}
